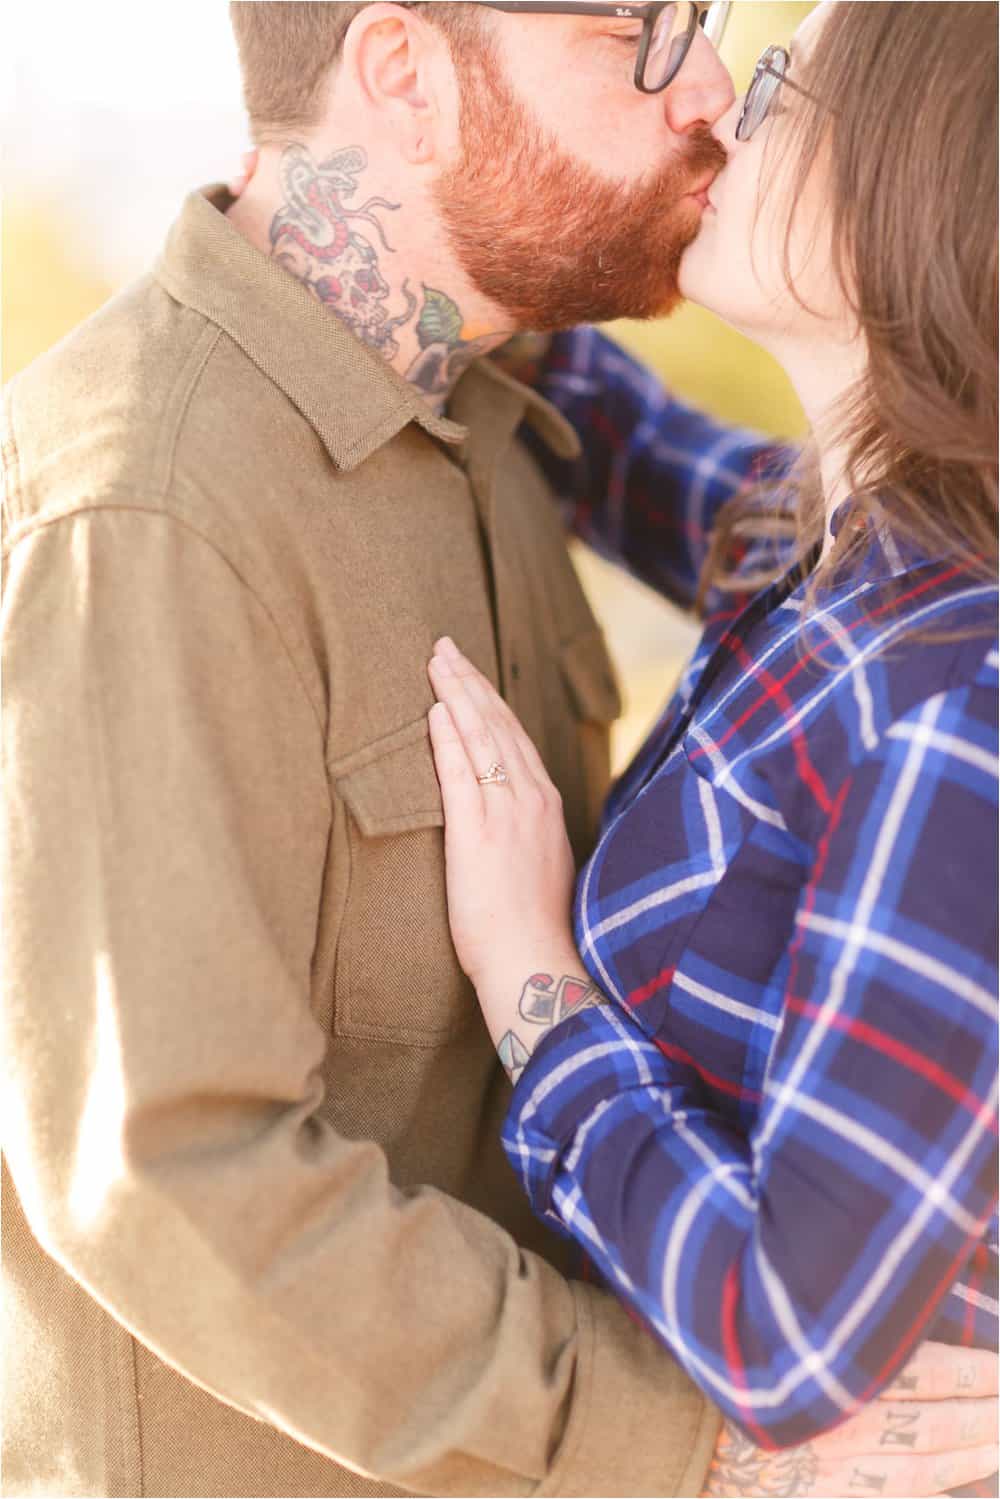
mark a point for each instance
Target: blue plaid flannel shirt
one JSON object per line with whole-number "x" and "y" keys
{"x": 778, "y": 1141}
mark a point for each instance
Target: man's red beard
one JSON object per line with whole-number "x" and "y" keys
{"x": 546, "y": 237}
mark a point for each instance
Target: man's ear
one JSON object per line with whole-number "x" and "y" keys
{"x": 390, "y": 53}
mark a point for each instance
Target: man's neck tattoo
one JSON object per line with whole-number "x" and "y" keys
{"x": 319, "y": 240}
{"x": 326, "y": 245}
{"x": 444, "y": 353}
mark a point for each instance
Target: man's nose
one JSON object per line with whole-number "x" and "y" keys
{"x": 702, "y": 91}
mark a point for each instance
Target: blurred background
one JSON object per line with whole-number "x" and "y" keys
{"x": 113, "y": 111}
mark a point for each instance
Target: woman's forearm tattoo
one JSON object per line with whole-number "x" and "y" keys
{"x": 545, "y": 1000}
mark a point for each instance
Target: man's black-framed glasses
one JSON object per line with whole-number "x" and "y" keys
{"x": 765, "y": 86}
{"x": 667, "y": 31}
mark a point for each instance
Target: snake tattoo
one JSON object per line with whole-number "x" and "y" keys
{"x": 314, "y": 235}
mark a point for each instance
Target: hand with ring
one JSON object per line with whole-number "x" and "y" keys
{"x": 510, "y": 869}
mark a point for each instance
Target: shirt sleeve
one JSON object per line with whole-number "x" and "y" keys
{"x": 793, "y": 1272}
{"x": 168, "y": 821}
{"x": 653, "y": 473}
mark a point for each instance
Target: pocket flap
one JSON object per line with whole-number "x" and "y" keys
{"x": 590, "y": 677}
{"x": 391, "y": 786}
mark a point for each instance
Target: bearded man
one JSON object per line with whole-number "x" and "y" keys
{"x": 260, "y": 1234}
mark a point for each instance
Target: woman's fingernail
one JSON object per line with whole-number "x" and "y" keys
{"x": 447, "y": 644}
{"x": 441, "y": 666}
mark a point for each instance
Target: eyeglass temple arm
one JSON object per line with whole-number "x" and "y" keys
{"x": 557, "y": 7}
{"x": 765, "y": 67}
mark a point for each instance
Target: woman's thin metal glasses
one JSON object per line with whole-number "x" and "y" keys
{"x": 765, "y": 86}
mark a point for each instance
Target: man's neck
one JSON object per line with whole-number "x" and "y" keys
{"x": 373, "y": 258}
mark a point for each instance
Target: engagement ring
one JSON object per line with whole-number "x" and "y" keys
{"x": 495, "y": 776}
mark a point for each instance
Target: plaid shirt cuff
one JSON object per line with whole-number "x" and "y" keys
{"x": 575, "y": 1073}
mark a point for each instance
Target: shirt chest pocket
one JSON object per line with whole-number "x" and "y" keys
{"x": 397, "y": 977}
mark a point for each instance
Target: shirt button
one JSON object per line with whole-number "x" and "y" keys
{"x": 515, "y": 672}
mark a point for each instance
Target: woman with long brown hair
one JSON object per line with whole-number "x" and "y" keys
{"x": 756, "y": 1079}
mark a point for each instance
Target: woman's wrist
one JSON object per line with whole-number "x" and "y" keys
{"x": 525, "y": 1000}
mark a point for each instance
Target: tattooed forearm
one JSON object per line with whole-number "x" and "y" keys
{"x": 315, "y": 236}
{"x": 544, "y": 1001}
{"x": 914, "y": 1439}
{"x": 739, "y": 1467}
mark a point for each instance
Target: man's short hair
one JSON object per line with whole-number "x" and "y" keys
{"x": 287, "y": 47}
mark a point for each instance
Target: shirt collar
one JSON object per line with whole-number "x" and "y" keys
{"x": 351, "y": 397}
{"x": 887, "y": 555}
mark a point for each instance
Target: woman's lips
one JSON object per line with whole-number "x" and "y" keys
{"x": 700, "y": 193}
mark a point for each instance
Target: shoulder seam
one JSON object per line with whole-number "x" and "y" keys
{"x": 161, "y": 513}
